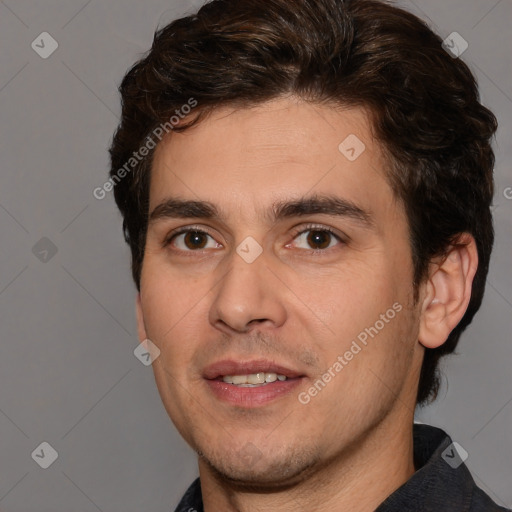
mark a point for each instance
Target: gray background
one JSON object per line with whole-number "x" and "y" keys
{"x": 68, "y": 375}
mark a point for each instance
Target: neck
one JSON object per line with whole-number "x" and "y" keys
{"x": 358, "y": 479}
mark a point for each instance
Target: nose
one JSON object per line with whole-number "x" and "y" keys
{"x": 248, "y": 296}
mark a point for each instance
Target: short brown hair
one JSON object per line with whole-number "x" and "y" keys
{"x": 424, "y": 105}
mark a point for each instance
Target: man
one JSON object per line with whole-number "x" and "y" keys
{"x": 305, "y": 189}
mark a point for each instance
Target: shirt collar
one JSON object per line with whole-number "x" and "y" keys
{"x": 442, "y": 482}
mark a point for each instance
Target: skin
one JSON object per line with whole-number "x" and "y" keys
{"x": 297, "y": 305}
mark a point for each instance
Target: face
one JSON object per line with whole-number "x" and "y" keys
{"x": 277, "y": 285}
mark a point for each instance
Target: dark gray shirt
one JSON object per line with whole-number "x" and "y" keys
{"x": 442, "y": 482}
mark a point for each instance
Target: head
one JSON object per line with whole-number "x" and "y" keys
{"x": 248, "y": 112}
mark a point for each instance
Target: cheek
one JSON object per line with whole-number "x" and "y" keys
{"x": 346, "y": 299}
{"x": 174, "y": 313}
{"x": 365, "y": 316}
{"x": 369, "y": 377}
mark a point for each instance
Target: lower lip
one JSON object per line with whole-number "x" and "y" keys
{"x": 252, "y": 396}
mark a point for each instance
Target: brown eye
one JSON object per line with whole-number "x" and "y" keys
{"x": 195, "y": 239}
{"x": 319, "y": 239}
{"x": 316, "y": 239}
{"x": 190, "y": 240}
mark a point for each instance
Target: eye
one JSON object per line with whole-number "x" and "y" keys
{"x": 316, "y": 238}
{"x": 192, "y": 240}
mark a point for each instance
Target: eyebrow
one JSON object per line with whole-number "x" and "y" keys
{"x": 326, "y": 205}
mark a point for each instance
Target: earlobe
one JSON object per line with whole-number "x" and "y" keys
{"x": 141, "y": 330}
{"x": 448, "y": 292}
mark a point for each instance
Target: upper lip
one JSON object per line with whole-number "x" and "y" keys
{"x": 231, "y": 367}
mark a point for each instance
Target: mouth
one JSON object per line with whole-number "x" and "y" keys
{"x": 250, "y": 383}
{"x": 256, "y": 372}
{"x": 253, "y": 379}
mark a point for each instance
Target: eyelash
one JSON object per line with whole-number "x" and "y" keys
{"x": 316, "y": 227}
{"x": 173, "y": 234}
{"x": 297, "y": 232}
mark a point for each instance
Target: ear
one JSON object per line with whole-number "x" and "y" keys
{"x": 448, "y": 291}
{"x": 141, "y": 330}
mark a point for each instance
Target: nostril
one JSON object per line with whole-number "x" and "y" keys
{"x": 258, "y": 321}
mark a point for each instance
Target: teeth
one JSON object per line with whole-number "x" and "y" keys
{"x": 238, "y": 379}
{"x": 256, "y": 378}
{"x": 253, "y": 379}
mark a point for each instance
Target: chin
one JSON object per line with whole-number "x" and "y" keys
{"x": 257, "y": 471}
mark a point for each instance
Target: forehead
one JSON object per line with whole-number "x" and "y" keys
{"x": 246, "y": 159}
